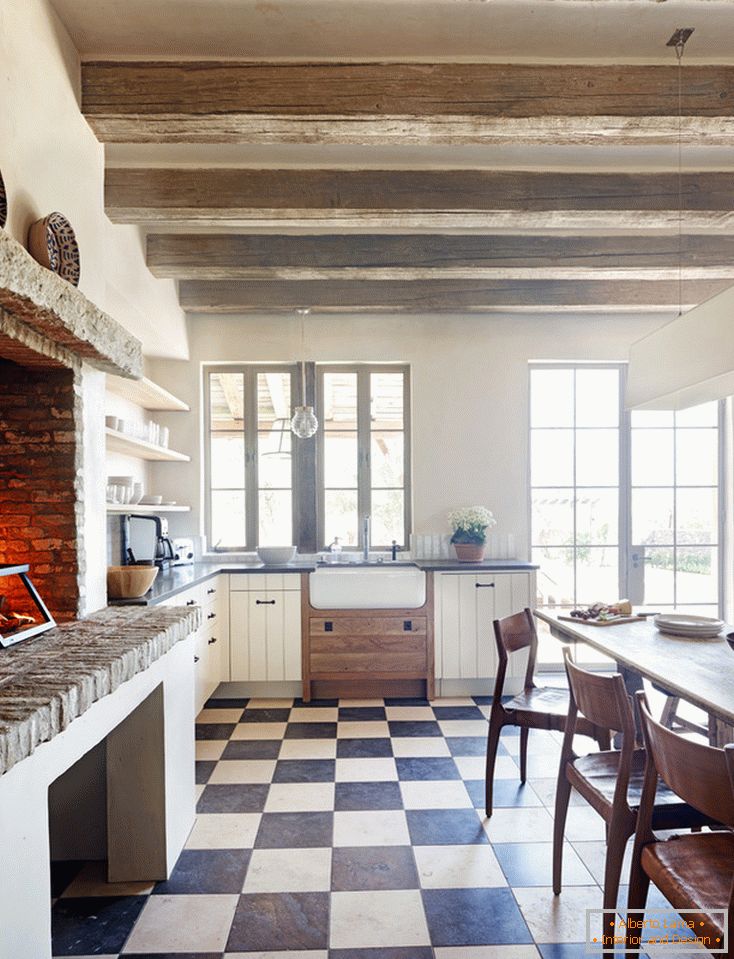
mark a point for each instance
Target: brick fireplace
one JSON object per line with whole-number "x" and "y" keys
{"x": 52, "y": 341}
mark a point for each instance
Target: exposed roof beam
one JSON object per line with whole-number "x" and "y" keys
{"x": 404, "y": 102}
{"x": 440, "y": 296}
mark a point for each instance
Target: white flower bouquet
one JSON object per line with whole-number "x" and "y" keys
{"x": 470, "y": 524}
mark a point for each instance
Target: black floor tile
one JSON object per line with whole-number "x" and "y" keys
{"x": 366, "y": 796}
{"x": 233, "y": 798}
{"x": 363, "y": 748}
{"x": 373, "y": 867}
{"x": 315, "y": 703}
{"x": 295, "y": 830}
{"x": 483, "y": 700}
{"x": 172, "y": 955}
{"x": 311, "y": 731}
{"x": 403, "y": 701}
{"x": 430, "y": 768}
{"x": 470, "y": 746}
{"x": 214, "y": 730}
{"x": 230, "y": 703}
{"x": 203, "y": 770}
{"x": 401, "y": 952}
{"x": 445, "y": 827}
{"x": 457, "y": 712}
{"x": 266, "y": 715}
{"x": 531, "y": 864}
{"x": 474, "y": 917}
{"x": 252, "y": 749}
{"x": 404, "y": 728}
{"x": 304, "y": 771}
{"x": 275, "y": 922}
{"x": 506, "y": 793}
{"x": 361, "y": 714}
{"x": 62, "y": 873}
{"x": 94, "y": 926}
{"x": 207, "y": 871}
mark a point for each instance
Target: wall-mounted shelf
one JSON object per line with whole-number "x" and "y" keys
{"x": 145, "y": 508}
{"x": 146, "y": 393}
{"x": 121, "y": 443}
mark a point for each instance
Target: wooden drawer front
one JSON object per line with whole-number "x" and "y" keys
{"x": 405, "y": 653}
{"x": 368, "y": 626}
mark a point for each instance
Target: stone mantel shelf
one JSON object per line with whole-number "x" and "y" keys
{"x": 46, "y": 683}
{"x": 61, "y": 315}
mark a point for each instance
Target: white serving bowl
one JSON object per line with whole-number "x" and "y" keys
{"x": 276, "y": 555}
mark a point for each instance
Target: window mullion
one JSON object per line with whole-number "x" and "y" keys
{"x": 364, "y": 470}
{"x": 251, "y": 479}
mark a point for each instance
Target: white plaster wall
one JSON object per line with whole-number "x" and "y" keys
{"x": 470, "y": 395}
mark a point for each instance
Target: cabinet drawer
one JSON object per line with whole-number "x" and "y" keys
{"x": 368, "y": 654}
{"x": 368, "y": 626}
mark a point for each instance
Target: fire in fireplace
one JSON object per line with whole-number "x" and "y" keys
{"x": 22, "y": 611}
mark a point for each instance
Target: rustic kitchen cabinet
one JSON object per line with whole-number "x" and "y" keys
{"x": 265, "y": 627}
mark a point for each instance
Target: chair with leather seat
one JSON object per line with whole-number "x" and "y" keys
{"x": 693, "y": 871}
{"x": 536, "y": 707}
{"x": 610, "y": 780}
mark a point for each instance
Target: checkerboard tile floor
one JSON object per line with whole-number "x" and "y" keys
{"x": 351, "y": 830}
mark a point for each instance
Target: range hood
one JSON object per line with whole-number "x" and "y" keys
{"x": 686, "y": 362}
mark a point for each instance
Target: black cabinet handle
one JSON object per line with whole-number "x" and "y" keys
{"x": 407, "y": 625}
{"x": 191, "y": 602}
{"x": 328, "y": 626}
{"x": 196, "y": 659}
{"x": 265, "y": 602}
{"x": 212, "y": 641}
{"x": 484, "y": 585}
{"x": 212, "y": 616}
{"x": 210, "y": 591}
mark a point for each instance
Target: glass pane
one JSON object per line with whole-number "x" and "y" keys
{"x": 597, "y": 457}
{"x": 386, "y": 398}
{"x": 647, "y": 419}
{"x": 652, "y": 457}
{"x": 555, "y": 576}
{"x": 388, "y": 521}
{"x": 275, "y": 518}
{"x": 551, "y": 457}
{"x": 274, "y": 459}
{"x": 597, "y": 574}
{"x": 697, "y": 516}
{"x": 658, "y": 574}
{"x": 652, "y": 516}
{"x": 228, "y": 519}
{"x": 228, "y": 461}
{"x": 696, "y": 459}
{"x": 707, "y": 414}
{"x": 340, "y": 517}
{"x": 552, "y": 517}
{"x": 340, "y": 401}
{"x": 340, "y": 460}
{"x": 698, "y": 575}
{"x": 551, "y": 398}
{"x": 273, "y": 399}
{"x": 226, "y": 400}
{"x": 597, "y": 517}
{"x": 387, "y": 459}
{"x": 597, "y": 397}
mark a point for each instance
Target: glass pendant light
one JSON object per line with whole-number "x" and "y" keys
{"x": 304, "y": 423}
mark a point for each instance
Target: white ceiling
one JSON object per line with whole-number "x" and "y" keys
{"x": 500, "y": 30}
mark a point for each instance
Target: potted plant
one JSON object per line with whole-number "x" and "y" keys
{"x": 470, "y": 525}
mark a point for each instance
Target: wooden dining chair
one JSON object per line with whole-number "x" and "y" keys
{"x": 611, "y": 780}
{"x": 693, "y": 871}
{"x": 536, "y": 707}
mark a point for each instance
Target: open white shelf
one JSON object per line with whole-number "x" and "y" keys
{"x": 121, "y": 443}
{"x": 145, "y": 508}
{"x": 146, "y": 393}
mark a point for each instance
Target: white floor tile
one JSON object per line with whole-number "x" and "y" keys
{"x": 463, "y": 727}
{"x": 361, "y": 702}
{"x": 297, "y": 954}
{"x": 520, "y": 824}
{"x": 453, "y": 701}
{"x": 300, "y": 797}
{"x": 380, "y": 828}
{"x": 369, "y": 730}
{"x": 243, "y": 771}
{"x": 270, "y": 704}
{"x": 365, "y": 770}
{"x": 281, "y": 870}
{"x": 224, "y": 831}
{"x": 259, "y": 731}
{"x": 378, "y": 919}
{"x": 426, "y": 794}
{"x": 209, "y": 749}
{"x": 594, "y": 857}
{"x": 444, "y": 867}
{"x": 558, "y": 918}
{"x": 417, "y": 746}
{"x": 313, "y": 714}
{"x": 410, "y": 713}
{"x": 183, "y": 924}
{"x": 308, "y": 749}
{"x": 198, "y": 790}
{"x": 219, "y": 716}
{"x": 584, "y": 824}
{"x": 474, "y": 767}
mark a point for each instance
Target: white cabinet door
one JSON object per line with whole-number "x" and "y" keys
{"x": 265, "y": 635}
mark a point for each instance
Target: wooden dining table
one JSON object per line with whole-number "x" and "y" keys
{"x": 698, "y": 671}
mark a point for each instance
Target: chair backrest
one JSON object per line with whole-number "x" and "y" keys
{"x": 602, "y": 699}
{"x": 514, "y": 633}
{"x": 698, "y": 773}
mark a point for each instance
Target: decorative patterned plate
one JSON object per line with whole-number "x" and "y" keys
{"x": 3, "y": 203}
{"x": 51, "y": 241}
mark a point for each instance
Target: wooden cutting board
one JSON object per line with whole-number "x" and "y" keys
{"x": 603, "y": 622}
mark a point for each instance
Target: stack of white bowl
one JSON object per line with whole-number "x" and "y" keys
{"x": 685, "y": 624}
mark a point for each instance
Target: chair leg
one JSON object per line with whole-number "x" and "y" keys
{"x": 636, "y": 899}
{"x": 616, "y": 845}
{"x": 524, "y": 733}
{"x": 493, "y": 740}
{"x": 603, "y": 739}
{"x": 563, "y": 795}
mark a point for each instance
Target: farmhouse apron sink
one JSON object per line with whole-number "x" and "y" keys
{"x": 368, "y": 587}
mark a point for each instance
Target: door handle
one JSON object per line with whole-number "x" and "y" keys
{"x": 265, "y": 602}
{"x": 212, "y": 641}
{"x": 210, "y": 591}
{"x": 484, "y": 585}
{"x": 191, "y": 602}
{"x": 196, "y": 659}
{"x": 212, "y": 616}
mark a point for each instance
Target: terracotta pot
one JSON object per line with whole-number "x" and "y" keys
{"x": 469, "y": 552}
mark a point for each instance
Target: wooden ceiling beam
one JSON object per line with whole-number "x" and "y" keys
{"x": 440, "y": 296}
{"x": 404, "y": 102}
{"x": 416, "y": 256}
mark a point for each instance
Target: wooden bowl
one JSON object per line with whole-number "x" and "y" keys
{"x": 3, "y": 203}
{"x": 52, "y": 243}
{"x": 129, "y": 582}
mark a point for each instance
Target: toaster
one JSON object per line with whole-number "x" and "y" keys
{"x": 183, "y": 552}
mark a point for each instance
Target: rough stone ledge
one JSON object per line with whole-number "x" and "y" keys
{"x": 62, "y": 315}
{"x": 46, "y": 683}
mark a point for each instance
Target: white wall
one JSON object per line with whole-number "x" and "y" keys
{"x": 470, "y": 395}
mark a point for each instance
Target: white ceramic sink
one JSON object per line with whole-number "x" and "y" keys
{"x": 368, "y": 587}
